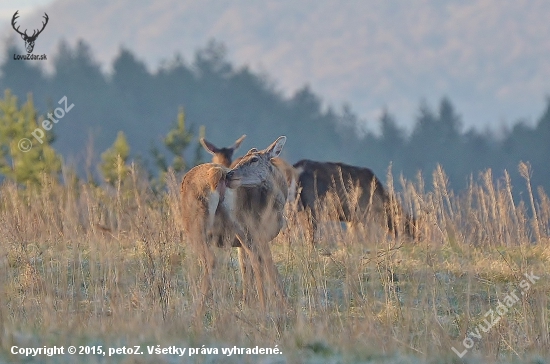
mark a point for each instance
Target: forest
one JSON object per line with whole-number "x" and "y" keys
{"x": 210, "y": 95}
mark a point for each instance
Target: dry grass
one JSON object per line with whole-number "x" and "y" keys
{"x": 81, "y": 265}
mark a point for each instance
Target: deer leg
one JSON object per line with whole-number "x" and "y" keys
{"x": 209, "y": 262}
{"x": 246, "y": 273}
{"x": 272, "y": 273}
{"x": 257, "y": 270}
{"x": 252, "y": 252}
{"x": 240, "y": 242}
{"x": 273, "y": 224}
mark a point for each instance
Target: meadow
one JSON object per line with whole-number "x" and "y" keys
{"x": 93, "y": 266}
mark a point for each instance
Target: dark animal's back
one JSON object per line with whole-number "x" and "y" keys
{"x": 317, "y": 179}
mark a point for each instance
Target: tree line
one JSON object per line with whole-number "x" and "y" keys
{"x": 160, "y": 115}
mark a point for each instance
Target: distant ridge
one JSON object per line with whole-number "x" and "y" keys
{"x": 489, "y": 57}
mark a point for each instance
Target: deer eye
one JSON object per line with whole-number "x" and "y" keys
{"x": 254, "y": 159}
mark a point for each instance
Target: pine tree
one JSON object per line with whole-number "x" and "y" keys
{"x": 25, "y": 150}
{"x": 113, "y": 165}
{"x": 177, "y": 140}
{"x": 392, "y": 142}
{"x": 198, "y": 148}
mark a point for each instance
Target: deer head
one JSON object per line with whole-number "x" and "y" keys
{"x": 256, "y": 166}
{"x": 223, "y": 156}
{"x": 29, "y": 40}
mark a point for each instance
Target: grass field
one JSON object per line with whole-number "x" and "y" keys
{"x": 88, "y": 266}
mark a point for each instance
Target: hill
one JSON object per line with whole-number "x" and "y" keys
{"x": 489, "y": 57}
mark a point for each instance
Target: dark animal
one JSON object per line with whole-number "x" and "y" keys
{"x": 348, "y": 193}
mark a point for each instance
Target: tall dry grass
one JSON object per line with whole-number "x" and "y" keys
{"x": 83, "y": 265}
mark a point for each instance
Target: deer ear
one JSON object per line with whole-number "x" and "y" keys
{"x": 209, "y": 147}
{"x": 238, "y": 143}
{"x": 23, "y": 36}
{"x": 275, "y": 149}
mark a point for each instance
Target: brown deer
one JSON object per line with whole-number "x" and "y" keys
{"x": 353, "y": 193}
{"x": 223, "y": 156}
{"x": 29, "y": 39}
{"x": 245, "y": 202}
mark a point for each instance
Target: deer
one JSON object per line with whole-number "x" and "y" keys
{"x": 224, "y": 156}
{"x": 352, "y": 192}
{"x": 245, "y": 203}
{"x": 29, "y": 40}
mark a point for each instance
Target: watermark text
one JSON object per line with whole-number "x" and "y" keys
{"x": 493, "y": 316}
{"x": 25, "y": 144}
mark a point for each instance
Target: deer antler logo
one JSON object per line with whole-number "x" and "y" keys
{"x": 29, "y": 40}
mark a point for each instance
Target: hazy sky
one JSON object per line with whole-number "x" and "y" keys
{"x": 24, "y": 7}
{"x": 490, "y": 57}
